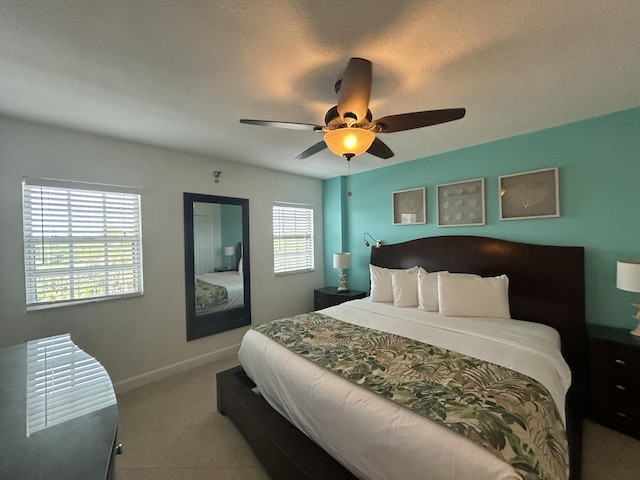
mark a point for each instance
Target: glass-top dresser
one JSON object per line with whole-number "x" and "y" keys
{"x": 58, "y": 412}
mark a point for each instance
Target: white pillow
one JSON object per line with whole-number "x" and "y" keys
{"x": 428, "y": 288}
{"x": 474, "y": 297}
{"x": 240, "y": 266}
{"x": 405, "y": 289}
{"x": 381, "y": 288}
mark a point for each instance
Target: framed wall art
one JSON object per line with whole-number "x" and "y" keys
{"x": 461, "y": 203}
{"x": 409, "y": 206}
{"x": 533, "y": 194}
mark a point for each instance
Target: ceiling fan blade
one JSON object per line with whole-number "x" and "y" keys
{"x": 278, "y": 124}
{"x": 380, "y": 149}
{"x": 318, "y": 147}
{"x": 409, "y": 121}
{"x": 355, "y": 89}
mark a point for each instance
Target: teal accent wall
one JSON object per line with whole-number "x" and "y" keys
{"x": 599, "y": 176}
{"x": 336, "y": 238}
{"x": 231, "y": 227}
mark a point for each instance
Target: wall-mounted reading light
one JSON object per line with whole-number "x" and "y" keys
{"x": 378, "y": 243}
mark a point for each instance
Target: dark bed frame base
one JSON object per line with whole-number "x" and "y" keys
{"x": 546, "y": 284}
{"x": 284, "y": 451}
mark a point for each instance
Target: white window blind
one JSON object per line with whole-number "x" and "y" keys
{"x": 292, "y": 238}
{"x": 81, "y": 242}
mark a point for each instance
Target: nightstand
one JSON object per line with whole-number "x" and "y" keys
{"x": 329, "y": 296}
{"x": 224, "y": 269}
{"x": 614, "y": 386}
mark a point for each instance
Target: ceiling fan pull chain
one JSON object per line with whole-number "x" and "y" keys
{"x": 349, "y": 178}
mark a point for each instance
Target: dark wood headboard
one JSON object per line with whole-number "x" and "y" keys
{"x": 239, "y": 254}
{"x": 546, "y": 285}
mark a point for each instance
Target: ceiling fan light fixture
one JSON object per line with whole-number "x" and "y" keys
{"x": 349, "y": 142}
{"x": 349, "y": 128}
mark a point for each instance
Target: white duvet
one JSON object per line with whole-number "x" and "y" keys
{"x": 377, "y": 439}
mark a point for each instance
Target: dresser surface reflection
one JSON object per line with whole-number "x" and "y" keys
{"x": 58, "y": 412}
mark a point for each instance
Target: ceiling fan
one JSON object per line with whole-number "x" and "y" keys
{"x": 349, "y": 129}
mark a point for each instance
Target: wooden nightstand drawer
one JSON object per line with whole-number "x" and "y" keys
{"x": 616, "y": 378}
{"x": 619, "y": 416}
{"x": 615, "y": 368}
{"x": 614, "y": 386}
{"x": 329, "y": 296}
{"x": 617, "y": 357}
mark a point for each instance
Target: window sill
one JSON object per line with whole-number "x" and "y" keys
{"x": 46, "y": 306}
{"x": 293, "y": 272}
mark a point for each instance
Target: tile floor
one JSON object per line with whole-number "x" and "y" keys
{"x": 171, "y": 430}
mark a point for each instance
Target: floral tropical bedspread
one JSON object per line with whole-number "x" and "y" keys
{"x": 504, "y": 411}
{"x": 209, "y": 295}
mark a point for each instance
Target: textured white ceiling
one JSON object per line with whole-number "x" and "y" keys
{"x": 180, "y": 74}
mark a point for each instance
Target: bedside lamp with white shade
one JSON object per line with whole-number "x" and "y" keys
{"x": 342, "y": 261}
{"x": 229, "y": 252}
{"x": 628, "y": 278}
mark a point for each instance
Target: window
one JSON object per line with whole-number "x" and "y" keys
{"x": 292, "y": 238}
{"x": 82, "y": 242}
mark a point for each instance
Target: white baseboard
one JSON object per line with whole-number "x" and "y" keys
{"x": 164, "y": 372}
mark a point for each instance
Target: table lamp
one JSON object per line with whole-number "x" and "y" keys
{"x": 342, "y": 260}
{"x": 229, "y": 252}
{"x": 628, "y": 278}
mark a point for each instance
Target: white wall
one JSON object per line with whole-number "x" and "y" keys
{"x": 141, "y": 339}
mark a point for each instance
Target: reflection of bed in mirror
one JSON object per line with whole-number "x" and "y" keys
{"x": 218, "y": 291}
{"x": 222, "y": 289}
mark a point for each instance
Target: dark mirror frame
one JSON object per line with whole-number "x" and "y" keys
{"x": 216, "y": 322}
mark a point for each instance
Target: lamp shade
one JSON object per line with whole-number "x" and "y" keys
{"x": 341, "y": 260}
{"x": 349, "y": 141}
{"x": 628, "y": 277}
{"x": 228, "y": 251}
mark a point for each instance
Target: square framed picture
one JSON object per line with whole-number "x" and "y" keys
{"x": 409, "y": 206}
{"x": 533, "y": 194}
{"x": 461, "y": 203}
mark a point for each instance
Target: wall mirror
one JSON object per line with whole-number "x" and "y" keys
{"x": 217, "y": 267}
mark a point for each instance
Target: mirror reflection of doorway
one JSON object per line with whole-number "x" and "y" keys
{"x": 202, "y": 243}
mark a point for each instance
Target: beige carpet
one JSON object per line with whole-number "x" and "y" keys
{"x": 171, "y": 430}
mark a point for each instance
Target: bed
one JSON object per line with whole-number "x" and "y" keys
{"x": 546, "y": 286}
{"x": 222, "y": 289}
{"x": 218, "y": 291}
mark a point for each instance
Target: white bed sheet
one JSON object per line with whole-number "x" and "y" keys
{"x": 377, "y": 439}
{"x": 232, "y": 281}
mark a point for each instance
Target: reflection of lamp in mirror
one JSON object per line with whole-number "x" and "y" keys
{"x": 628, "y": 278}
{"x": 229, "y": 252}
{"x": 342, "y": 260}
